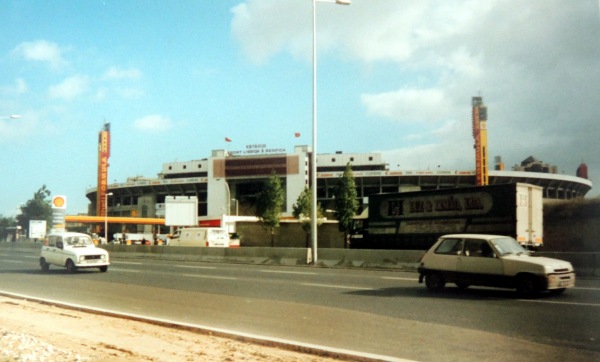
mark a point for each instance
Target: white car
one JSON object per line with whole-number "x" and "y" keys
{"x": 492, "y": 260}
{"x": 72, "y": 251}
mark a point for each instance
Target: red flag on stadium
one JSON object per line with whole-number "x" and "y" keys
{"x": 227, "y": 139}
{"x": 297, "y": 134}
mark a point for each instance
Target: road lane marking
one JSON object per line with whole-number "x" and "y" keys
{"x": 287, "y": 272}
{"x": 11, "y": 261}
{"x": 209, "y": 277}
{"x": 127, "y": 262}
{"x": 125, "y": 270}
{"x": 334, "y": 286}
{"x": 399, "y": 278}
{"x": 582, "y": 288}
{"x": 565, "y": 303}
{"x": 195, "y": 267}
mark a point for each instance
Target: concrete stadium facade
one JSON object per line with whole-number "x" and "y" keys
{"x": 228, "y": 182}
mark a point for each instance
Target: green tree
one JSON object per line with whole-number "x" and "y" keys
{"x": 346, "y": 202}
{"x": 5, "y": 223}
{"x": 302, "y": 210}
{"x": 269, "y": 204}
{"x": 38, "y": 208}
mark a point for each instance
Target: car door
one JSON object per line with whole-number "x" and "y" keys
{"x": 479, "y": 263}
{"x": 53, "y": 250}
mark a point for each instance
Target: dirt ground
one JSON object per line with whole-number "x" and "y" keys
{"x": 31, "y": 331}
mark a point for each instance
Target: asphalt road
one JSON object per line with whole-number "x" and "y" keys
{"x": 379, "y": 312}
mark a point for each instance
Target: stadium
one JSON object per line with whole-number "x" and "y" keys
{"x": 227, "y": 183}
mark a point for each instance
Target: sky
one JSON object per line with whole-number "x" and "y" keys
{"x": 176, "y": 78}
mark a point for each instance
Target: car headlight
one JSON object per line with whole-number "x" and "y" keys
{"x": 81, "y": 259}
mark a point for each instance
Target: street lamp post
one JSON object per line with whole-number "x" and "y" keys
{"x": 106, "y": 216}
{"x": 313, "y": 167}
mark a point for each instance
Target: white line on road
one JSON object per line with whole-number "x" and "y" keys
{"x": 398, "y": 278}
{"x": 125, "y": 270}
{"x": 287, "y": 272}
{"x": 580, "y": 288}
{"x": 128, "y": 262}
{"x": 209, "y": 277}
{"x": 195, "y": 267}
{"x": 565, "y": 303}
{"x": 12, "y": 261}
{"x": 334, "y": 286}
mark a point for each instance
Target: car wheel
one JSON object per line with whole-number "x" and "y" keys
{"x": 104, "y": 269}
{"x": 45, "y": 266}
{"x": 435, "y": 282}
{"x": 462, "y": 285}
{"x": 527, "y": 285}
{"x": 71, "y": 268}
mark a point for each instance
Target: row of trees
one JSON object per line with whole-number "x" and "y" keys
{"x": 271, "y": 200}
{"x": 37, "y": 208}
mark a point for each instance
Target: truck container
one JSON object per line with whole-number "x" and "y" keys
{"x": 201, "y": 237}
{"x": 415, "y": 220}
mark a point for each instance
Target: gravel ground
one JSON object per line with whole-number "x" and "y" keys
{"x": 31, "y": 331}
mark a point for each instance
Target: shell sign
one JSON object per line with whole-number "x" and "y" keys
{"x": 59, "y": 202}
{"x": 59, "y": 211}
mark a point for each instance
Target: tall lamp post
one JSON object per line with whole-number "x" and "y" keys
{"x": 313, "y": 168}
{"x": 106, "y": 216}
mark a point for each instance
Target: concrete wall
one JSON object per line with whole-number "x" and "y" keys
{"x": 572, "y": 226}
{"x": 585, "y": 264}
{"x": 288, "y": 235}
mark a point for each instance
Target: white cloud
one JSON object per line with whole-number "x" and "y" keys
{"x": 153, "y": 123}
{"x": 116, "y": 73}
{"x": 409, "y": 105}
{"x": 70, "y": 88}
{"x": 40, "y": 51}
{"x": 263, "y": 28}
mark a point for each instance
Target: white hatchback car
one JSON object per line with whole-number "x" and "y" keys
{"x": 72, "y": 251}
{"x": 492, "y": 260}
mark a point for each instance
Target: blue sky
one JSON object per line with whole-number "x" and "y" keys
{"x": 175, "y": 78}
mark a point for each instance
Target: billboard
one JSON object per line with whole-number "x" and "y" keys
{"x": 37, "y": 229}
{"x": 181, "y": 211}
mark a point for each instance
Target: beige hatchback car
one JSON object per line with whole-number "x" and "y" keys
{"x": 494, "y": 261}
{"x": 72, "y": 251}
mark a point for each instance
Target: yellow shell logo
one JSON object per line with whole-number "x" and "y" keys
{"x": 58, "y": 201}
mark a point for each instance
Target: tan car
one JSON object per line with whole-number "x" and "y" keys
{"x": 493, "y": 261}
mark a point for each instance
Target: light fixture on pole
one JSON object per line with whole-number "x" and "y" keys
{"x": 313, "y": 164}
{"x": 12, "y": 116}
{"x": 106, "y": 216}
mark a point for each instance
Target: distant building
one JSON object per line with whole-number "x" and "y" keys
{"x": 582, "y": 171}
{"x": 531, "y": 164}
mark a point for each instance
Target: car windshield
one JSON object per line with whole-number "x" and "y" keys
{"x": 78, "y": 240}
{"x": 507, "y": 245}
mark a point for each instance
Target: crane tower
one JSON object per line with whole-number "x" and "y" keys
{"x": 480, "y": 136}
